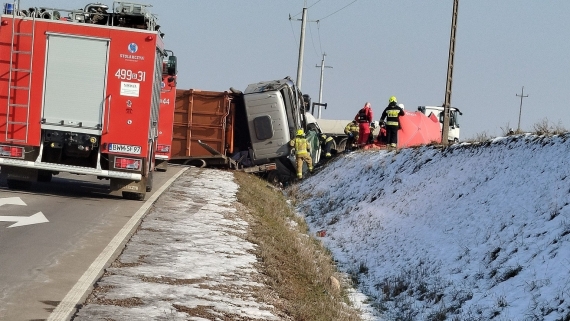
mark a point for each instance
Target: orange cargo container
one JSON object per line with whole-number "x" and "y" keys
{"x": 207, "y": 117}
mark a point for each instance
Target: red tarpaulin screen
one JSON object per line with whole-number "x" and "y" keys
{"x": 415, "y": 129}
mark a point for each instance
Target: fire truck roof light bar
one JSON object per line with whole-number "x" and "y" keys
{"x": 123, "y": 14}
{"x": 70, "y": 169}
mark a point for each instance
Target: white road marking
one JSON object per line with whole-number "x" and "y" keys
{"x": 11, "y": 201}
{"x": 37, "y": 218}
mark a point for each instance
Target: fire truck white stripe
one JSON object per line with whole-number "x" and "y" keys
{"x": 70, "y": 169}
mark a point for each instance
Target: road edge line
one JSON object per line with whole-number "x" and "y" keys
{"x": 68, "y": 306}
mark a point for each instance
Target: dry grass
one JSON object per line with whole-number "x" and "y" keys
{"x": 544, "y": 127}
{"x": 297, "y": 266}
{"x": 541, "y": 127}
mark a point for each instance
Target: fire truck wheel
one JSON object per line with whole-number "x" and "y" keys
{"x": 15, "y": 184}
{"x": 44, "y": 176}
{"x": 134, "y": 196}
{"x": 149, "y": 182}
{"x": 161, "y": 166}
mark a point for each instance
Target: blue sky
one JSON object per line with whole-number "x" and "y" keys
{"x": 378, "y": 49}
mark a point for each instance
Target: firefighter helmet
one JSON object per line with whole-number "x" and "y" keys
{"x": 401, "y": 106}
{"x": 300, "y": 132}
{"x": 392, "y": 99}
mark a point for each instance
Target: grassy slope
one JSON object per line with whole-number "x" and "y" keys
{"x": 297, "y": 266}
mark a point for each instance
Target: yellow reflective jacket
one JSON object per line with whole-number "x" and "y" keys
{"x": 351, "y": 127}
{"x": 301, "y": 145}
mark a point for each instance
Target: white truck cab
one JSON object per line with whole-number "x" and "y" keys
{"x": 454, "y": 113}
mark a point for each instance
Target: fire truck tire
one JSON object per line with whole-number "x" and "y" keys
{"x": 44, "y": 176}
{"x": 161, "y": 166}
{"x": 134, "y": 196}
{"x": 149, "y": 181}
{"x": 16, "y": 184}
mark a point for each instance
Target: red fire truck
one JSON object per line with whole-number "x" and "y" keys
{"x": 166, "y": 113}
{"x": 80, "y": 93}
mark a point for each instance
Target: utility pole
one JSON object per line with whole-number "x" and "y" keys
{"x": 322, "y": 66}
{"x": 447, "y": 103}
{"x": 301, "y": 47}
{"x": 522, "y": 95}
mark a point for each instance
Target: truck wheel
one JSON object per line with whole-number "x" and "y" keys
{"x": 44, "y": 176}
{"x": 149, "y": 180}
{"x": 341, "y": 145}
{"x": 161, "y": 166}
{"x": 285, "y": 174}
{"x": 16, "y": 184}
{"x": 134, "y": 196}
{"x": 273, "y": 177}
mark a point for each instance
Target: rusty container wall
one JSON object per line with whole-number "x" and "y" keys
{"x": 207, "y": 116}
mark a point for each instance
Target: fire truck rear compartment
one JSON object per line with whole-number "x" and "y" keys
{"x": 71, "y": 148}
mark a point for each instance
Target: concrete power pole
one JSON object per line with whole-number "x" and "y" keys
{"x": 522, "y": 95}
{"x": 322, "y": 66}
{"x": 447, "y": 103}
{"x": 301, "y": 47}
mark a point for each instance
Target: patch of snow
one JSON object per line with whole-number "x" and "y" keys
{"x": 480, "y": 231}
{"x": 189, "y": 253}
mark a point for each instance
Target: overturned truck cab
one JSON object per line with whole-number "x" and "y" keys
{"x": 248, "y": 131}
{"x": 275, "y": 111}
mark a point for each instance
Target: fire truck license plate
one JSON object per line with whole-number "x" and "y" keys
{"x": 127, "y": 149}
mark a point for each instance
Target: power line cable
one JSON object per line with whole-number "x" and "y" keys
{"x": 313, "y": 40}
{"x": 292, "y": 29}
{"x": 337, "y": 10}
{"x": 307, "y": 8}
{"x": 319, "y": 33}
{"x": 314, "y": 4}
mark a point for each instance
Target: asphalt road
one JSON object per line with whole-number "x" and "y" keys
{"x": 40, "y": 263}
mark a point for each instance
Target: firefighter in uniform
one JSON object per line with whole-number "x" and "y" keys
{"x": 326, "y": 144}
{"x": 392, "y": 115}
{"x": 364, "y": 118}
{"x": 351, "y": 130}
{"x": 302, "y": 152}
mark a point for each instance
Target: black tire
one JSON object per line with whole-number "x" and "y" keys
{"x": 19, "y": 185}
{"x": 285, "y": 170}
{"x": 149, "y": 181}
{"x": 161, "y": 166}
{"x": 134, "y": 196}
{"x": 44, "y": 176}
{"x": 341, "y": 145}
{"x": 273, "y": 177}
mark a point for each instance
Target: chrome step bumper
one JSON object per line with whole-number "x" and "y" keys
{"x": 70, "y": 169}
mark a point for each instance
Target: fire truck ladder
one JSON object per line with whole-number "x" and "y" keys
{"x": 19, "y": 55}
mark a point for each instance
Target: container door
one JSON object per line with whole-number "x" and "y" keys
{"x": 75, "y": 81}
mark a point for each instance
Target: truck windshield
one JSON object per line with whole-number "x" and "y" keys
{"x": 292, "y": 109}
{"x": 454, "y": 118}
